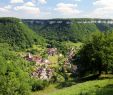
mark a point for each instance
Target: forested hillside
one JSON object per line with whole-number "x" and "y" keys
{"x": 68, "y": 29}
{"x": 17, "y": 34}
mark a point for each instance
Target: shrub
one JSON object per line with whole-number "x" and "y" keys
{"x": 39, "y": 84}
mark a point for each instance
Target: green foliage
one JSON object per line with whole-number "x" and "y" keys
{"x": 14, "y": 76}
{"x": 105, "y": 27}
{"x": 17, "y": 34}
{"x": 37, "y": 50}
{"x": 72, "y": 31}
{"x": 96, "y": 55}
{"x": 97, "y": 87}
{"x": 38, "y": 84}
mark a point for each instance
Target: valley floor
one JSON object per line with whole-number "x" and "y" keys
{"x": 102, "y": 86}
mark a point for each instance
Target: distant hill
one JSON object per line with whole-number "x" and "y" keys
{"x": 14, "y": 32}
{"x": 69, "y": 29}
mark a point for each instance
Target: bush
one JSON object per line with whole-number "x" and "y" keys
{"x": 13, "y": 80}
{"x": 39, "y": 84}
{"x": 14, "y": 76}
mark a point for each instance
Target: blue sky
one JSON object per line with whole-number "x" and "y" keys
{"x": 44, "y": 9}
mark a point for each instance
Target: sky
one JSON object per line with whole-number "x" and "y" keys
{"x": 47, "y": 9}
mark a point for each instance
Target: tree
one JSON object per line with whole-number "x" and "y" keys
{"x": 96, "y": 55}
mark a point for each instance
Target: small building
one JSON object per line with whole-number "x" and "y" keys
{"x": 37, "y": 59}
{"x": 43, "y": 73}
{"x": 52, "y": 51}
{"x": 28, "y": 57}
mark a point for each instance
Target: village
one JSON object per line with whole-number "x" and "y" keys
{"x": 44, "y": 68}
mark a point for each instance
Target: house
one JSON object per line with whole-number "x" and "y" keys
{"x": 42, "y": 70}
{"x": 52, "y": 51}
{"x": 46, "y": 61}
{"x": 32, "y": 58}
{"x": 28, "y": 57}
{"x": 66, "y": 62}
{"x": 71, "y": 53}
{"x": 37, "y": 59}
{"x": 43, "y": 73}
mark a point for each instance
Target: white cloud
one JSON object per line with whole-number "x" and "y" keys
{"x": 28, "y": 8}
{"x": 77, "y": 0}
{"x": 8, "y": 7}
{"x": 3, "y": 10}
{"x": 103, "y": 3}
{"x": 16, "y": 1}
{"x": 103, "y": 8}
{"x": 67, "y": 9}
{"x": 30, "y": 4}
{"x": 42, "y": 1}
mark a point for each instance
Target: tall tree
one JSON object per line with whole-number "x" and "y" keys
{"x": 96, "y": 55}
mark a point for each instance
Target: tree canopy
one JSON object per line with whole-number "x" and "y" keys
{"x": 96, "y": 55}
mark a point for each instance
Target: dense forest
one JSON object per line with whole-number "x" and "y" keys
{"x": 42, "y": 58}
{"x": 17, "y": 34}
{"x": 67, "y": 29}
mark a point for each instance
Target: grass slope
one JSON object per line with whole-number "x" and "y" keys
{"x": 97, "y": 87}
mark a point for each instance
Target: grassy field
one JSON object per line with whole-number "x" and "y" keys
{"x": 47, "y": 90}
{"x": 71, "y": 44}
{"x": 95, "y": 87}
